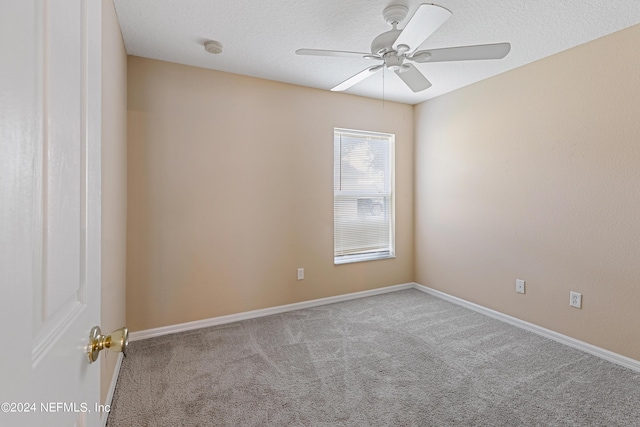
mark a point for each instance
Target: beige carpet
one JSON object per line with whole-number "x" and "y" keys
{"x": 399, "y": 359}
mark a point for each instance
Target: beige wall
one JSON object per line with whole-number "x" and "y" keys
{"x": 114, "y": 184}
{"x": 231, "y": 189}
{"x": 535, "y": 174}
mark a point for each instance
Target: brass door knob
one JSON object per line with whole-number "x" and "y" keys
{"x": 117, "y": 341}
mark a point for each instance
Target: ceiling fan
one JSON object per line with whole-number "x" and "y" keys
{"x": 395, "y": 47}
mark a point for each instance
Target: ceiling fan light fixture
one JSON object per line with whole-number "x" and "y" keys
{"x": 213, "y": 46}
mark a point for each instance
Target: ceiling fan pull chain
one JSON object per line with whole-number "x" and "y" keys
{"x": 383, "y": 73}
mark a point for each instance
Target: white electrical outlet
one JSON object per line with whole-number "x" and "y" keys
{"x": 520, "y": 286}
{"x": 575, "y": 299}
{"x": 300, "y": 273}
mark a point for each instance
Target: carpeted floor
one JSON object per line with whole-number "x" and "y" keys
{"x": 399, "y": 359}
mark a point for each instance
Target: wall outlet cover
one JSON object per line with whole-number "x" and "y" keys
{"x": 520, "y": 286}
{"x": 575, "y": 299}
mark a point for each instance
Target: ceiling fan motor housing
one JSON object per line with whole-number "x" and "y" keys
{"x": 393, "y": 61}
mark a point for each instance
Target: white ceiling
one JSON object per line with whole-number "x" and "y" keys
{"x": 260, "y": 37}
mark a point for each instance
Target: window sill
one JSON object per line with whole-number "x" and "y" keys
{"x": 348, "y": 259}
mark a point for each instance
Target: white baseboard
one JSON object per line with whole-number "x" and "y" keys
{"x": 610, "y": 356}
{"x": 214, "y": 321}
{"x": 112, "y": 389}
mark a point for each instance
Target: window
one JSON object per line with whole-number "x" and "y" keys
{"x": 363, "y": 204}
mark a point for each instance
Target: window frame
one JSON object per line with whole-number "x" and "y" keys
{"x": 368, "y": 256}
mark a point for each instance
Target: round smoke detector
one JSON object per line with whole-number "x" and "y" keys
{"x": 213, "y": 46}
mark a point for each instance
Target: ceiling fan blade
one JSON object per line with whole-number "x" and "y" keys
{"x": 422, "y": 24}
{"x": 414, "y": 78}
{"x": 340, "y": 53}
{"x": 357, "y": 78}
{"x": 463, "y": 53}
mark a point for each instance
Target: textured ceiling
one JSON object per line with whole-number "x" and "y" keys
{"x": 260, "y": 37}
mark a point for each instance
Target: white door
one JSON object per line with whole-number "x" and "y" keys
{"x": 49, "y": 210}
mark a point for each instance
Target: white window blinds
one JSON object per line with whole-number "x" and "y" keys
{"x": 363, "y": 204}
